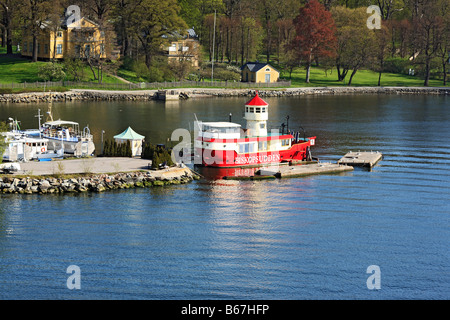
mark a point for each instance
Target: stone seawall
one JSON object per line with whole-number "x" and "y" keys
{"x": 289, "y": 92}
{"x": 78, "y": 95}
{"x": 95, "y": 183}
{"x": 146, "y": 95}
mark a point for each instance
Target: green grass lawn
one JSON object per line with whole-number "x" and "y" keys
{"x": 319, "y": 78}
{"x": 129, "y": 75}
{"x": 14, "y": 69}
{"x": 18, "y": 70}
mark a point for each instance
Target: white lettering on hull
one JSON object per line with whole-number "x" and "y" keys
{"x": 258, "y": 159}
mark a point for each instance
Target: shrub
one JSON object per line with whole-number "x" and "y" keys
{"x": 397, "y": 65}
{"x": 158, "y": 155}
{"x": 224, "y": 75}
{"x": 51, "y": 72}
{"x": 74, "y": 69}
{"x": 113, "y": 149}
{"x": 140, "y": 69}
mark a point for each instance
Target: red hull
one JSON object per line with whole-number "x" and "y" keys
{"x": 231, "y": 159}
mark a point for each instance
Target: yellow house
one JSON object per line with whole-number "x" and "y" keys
{"x": 259, "y": 72}
{"x": 82, "y": 39}
{"x": 183, "y": 50}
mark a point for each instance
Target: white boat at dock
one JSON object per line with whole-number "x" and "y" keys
{"x": 66, "y": 135}
{"x": 24, "y": 148}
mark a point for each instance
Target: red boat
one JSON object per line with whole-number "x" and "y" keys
{"x": 226, "y": 144}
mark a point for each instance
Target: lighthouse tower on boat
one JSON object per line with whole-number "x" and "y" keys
{"x": 256, "y": 114}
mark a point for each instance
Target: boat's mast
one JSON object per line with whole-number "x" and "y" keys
{"x": 39, "y": 116}
{"x": 49, "y": 112}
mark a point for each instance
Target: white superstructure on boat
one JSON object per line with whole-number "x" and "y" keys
{"x": 66, "y": 135}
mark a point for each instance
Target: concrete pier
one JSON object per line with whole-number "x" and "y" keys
{"x": 363, "y": 159}
{"x": 93, "y": 174}
{"x": 296, "y": 171}
{"x": 311, "y": 169}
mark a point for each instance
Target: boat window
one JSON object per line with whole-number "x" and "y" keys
{"x": 251, "y": 109}
{"x": 263, "y": 109}
{"x": 262, "y": 125}
{"x": 247, "y": 147}
{"x": 258, "y": 110}
{"x": 262, "y": 145}
{"x": 285, "y": 142}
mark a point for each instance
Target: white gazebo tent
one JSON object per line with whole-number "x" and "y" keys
{"x": 135, "y": 140}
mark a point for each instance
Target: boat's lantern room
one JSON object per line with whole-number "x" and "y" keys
{"x": 256, "y": 109}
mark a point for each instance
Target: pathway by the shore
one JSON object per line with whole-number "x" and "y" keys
{"x": 96, "y": 165}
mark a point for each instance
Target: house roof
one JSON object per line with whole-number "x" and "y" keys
{"x": 129, "y": 134}
{"x": 256, "y": 66}
{"x": 64, "y": 23}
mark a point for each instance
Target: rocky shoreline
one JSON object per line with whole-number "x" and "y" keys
{"x": 95, "y": 183}
{"x": 146, "y": 95}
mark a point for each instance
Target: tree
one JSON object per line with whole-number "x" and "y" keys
{"x": 381, "y": 47}
{"x": 34, "y": 13}
{"x": 154, "y": 20}
{"x": 289, "y": 60}
{"x": 74, "y": 68}
{"x": 7, "y": 10}
{"x": 315, "y": 34}
{"x": 429, "y": 27}
{"x": 355, "y": 42}
{"x": 389, "y": 7}
{"x": 194, "y": 12}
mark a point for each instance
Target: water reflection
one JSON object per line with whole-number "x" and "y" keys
{"x": 215, "y": 238}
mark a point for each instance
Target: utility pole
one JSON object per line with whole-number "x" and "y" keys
{"x": 214, "y": 44}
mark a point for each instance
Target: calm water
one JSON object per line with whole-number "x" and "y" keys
{"x": 306, "y": 238}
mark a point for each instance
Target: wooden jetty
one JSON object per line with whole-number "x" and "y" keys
{"x": 363, "y": 159}
{"x": 295, "y": 171}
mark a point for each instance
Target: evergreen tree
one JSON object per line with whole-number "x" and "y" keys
{"x": 129, "y": 152}
{"x": 114, "y": 149}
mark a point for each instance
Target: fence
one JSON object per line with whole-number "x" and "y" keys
{"x": 48, "y": 85}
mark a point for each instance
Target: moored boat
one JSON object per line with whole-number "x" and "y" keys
{"x": 66, "y": 135}
{"x": 21, "y": 147}
{"x": 227, "y": 144}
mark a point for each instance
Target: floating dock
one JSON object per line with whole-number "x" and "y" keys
{"x": 363, "y": 159}
{"x": 295, "y": 171}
